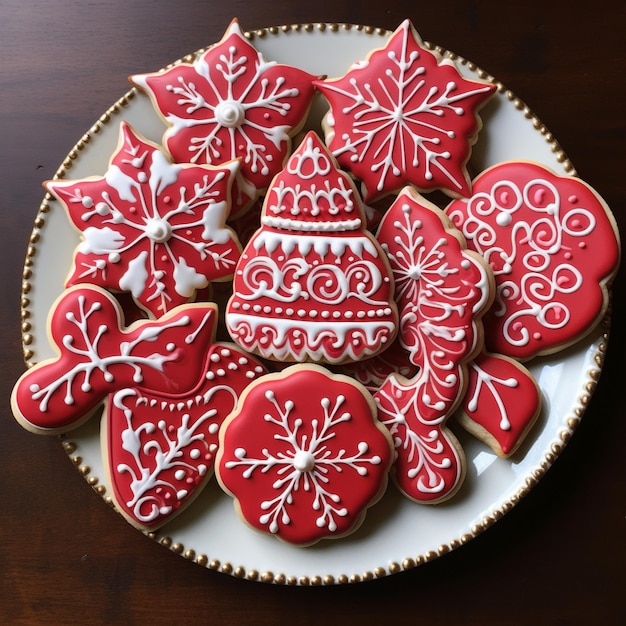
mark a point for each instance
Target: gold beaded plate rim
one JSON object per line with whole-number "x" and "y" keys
{"x": 587, "y": 356}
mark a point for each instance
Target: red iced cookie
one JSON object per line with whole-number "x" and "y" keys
{"x": 97, "y": 355}
{"x": 442, "y": 290}
{"x": 231, "y": 103}
{"x": 303, "y": 455}
{"x": 501, "y": 404}
{"x": 159, "y": 449}
{"x": 553, "y": 246}
{"x": 403, "y": 116}
{"x": 150, "y": 227}
{"x": 312, "y": 284}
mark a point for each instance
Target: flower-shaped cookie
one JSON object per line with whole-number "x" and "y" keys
{"x": 402, "y": 117}
{"x": 442, "y": 290}
{"x": 303, "y": 454}
{"x": 151, "y": 227}
{"x": 229, "y": 103}
{"x": 553, "y": 246}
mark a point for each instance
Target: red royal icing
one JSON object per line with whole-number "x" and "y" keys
{"x": 151, "y": 227}
{"x": 97, "y": 355}
{"x": 160, "y": 449}
{"x": 229, "y": 103}
{"x": 304, "y": 465}
{"x": 442, "y": 290}
{"x": 312, "y": 284}
{"x": 402, "y": 117}
{"x": 553, "y": 247}
{"x": 501, "y": 404}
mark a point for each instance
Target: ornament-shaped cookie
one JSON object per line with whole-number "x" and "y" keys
{"x": 312, "y": 284}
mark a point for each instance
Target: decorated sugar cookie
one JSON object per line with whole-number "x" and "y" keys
{"x": 312, "y": 284}
{"x": 553, "y": 246}
{"x": 231, "y": 103}
{"x": 442, "y": 291}
{"x": 98, "y": 355}
{"x": 151, "y": 227}
{"x": 303, "y": 455}
{"x": 159, "y": 449}
{"x": 501, "y": 404}
{"x": 404, "y": 116}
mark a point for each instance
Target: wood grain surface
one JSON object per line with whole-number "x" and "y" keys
{"x": 67, "y": 558}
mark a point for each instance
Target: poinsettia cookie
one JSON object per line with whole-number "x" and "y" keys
{"x": 151, "y": 227}
{"x": 159, "y": 449}
{"x": 442, "y": 291}
{"x": 231, "y": 103}
{"x": 554, "y": 248}
{"x": 404, "y": 116}
{"x": 303, "y": 455}
{"x": 312, "y": 284}
{"x": 98, "y": 355}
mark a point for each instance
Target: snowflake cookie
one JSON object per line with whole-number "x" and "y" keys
{"x": 554, "y": 248}
{"x": 159, "y": 449}
{"x": 98, "y": 355}
{"x": 403, "y": 116}
{"x": 151, "y": 227}
{"x": 312, "y": 284}
{"x": 231, "y": 103}
{"x": 304, "y": 455}
{"x": 442, "y": 291}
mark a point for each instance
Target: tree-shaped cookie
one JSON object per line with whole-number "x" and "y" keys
{"x": 312, "y": 284}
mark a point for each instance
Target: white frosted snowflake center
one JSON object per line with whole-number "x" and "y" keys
{"x": 230, "y": 114}
{"x": 159, "y": 230}
{"x": 303, "y": 461}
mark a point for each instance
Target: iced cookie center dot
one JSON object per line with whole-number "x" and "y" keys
{"x": 158, "y": 230}
{"x": 229, "y": 114}
{"x": 303, "y": 461}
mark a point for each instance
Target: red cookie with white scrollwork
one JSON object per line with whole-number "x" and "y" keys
{"x": 442, "y": 291}
{"x": 159, "y": 449}
{"x": 312, "y": 284}
{"x": 304, "y": 455}
{"x": 554, "y": 248}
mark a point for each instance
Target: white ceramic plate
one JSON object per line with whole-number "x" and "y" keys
{"x": 397, "y": 534}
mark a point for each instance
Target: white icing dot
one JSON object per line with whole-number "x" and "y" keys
{"x": 87, "y": 202}
{"x": 303, "y": 461}
{"x": 503, "y": 219}
{"x": 195, "y": 453}
{"x": 180, "y": 475}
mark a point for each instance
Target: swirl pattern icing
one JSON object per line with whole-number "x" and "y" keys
{"x": 553, "y": 247}
{"x": 312, "y": 284}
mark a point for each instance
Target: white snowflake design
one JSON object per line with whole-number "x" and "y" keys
{"x": 304, "y": 463}
{"x": 401, "y": 117}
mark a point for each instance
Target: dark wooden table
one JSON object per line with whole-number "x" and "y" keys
{"x": 65, "y": 557}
